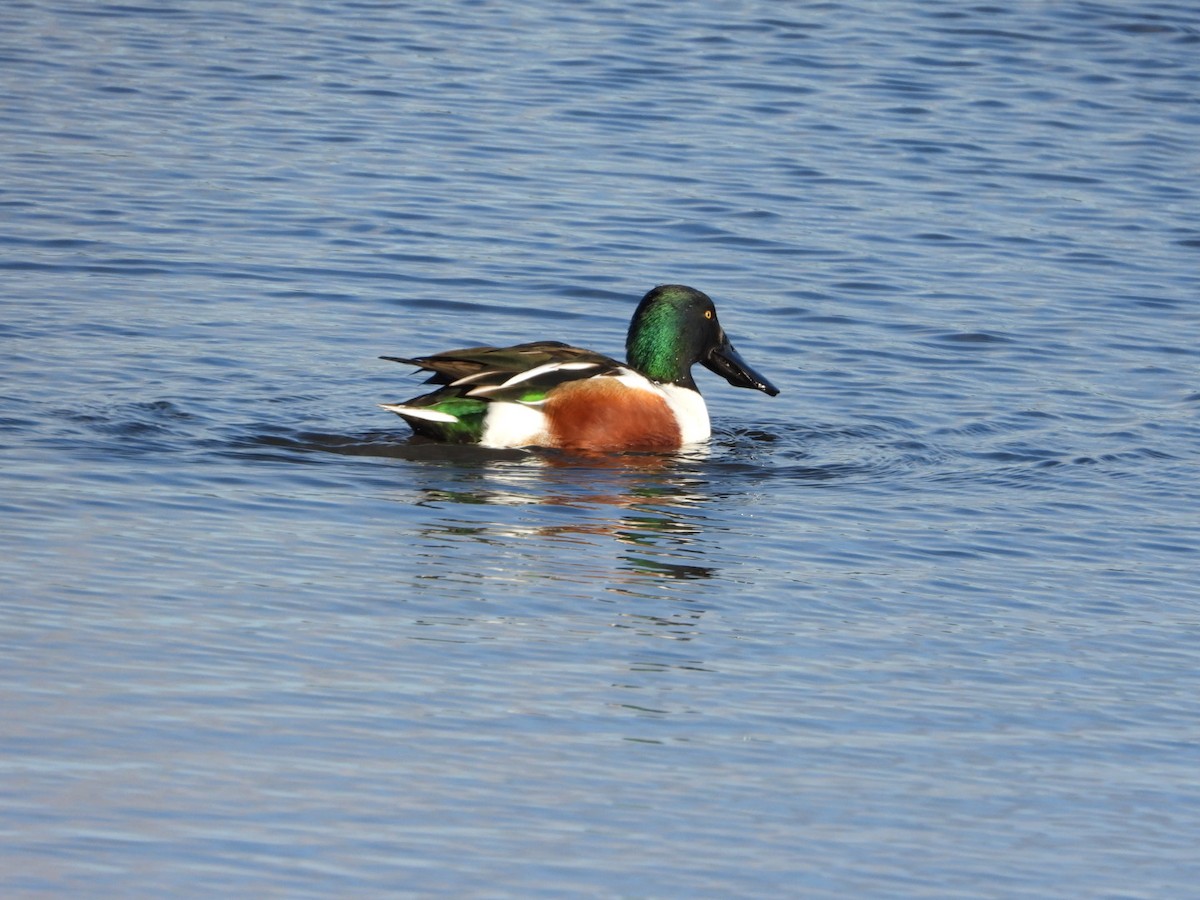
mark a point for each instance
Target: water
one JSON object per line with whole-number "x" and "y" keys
{"x": 923, "y": 625}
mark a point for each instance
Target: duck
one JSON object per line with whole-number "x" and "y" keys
{"x": 547, "y": 394}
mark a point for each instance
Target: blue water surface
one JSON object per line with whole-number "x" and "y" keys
{"x": 926, "y": 624}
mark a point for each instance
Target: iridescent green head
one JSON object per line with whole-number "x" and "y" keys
{"x": 676, "y": 327}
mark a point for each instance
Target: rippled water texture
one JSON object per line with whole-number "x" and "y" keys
{"x": 925, "y": 624}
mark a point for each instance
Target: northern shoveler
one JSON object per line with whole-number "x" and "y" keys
{"x": 549, "y": 394}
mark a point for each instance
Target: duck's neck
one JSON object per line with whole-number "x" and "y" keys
{"x": 658, "y": 357}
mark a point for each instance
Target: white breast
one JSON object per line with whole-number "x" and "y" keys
{"x": 690, "y": 410}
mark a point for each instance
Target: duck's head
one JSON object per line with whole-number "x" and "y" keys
{"x": 676, "y": 327}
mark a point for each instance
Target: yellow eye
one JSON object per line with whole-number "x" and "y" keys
{"x": 708, "y": 314}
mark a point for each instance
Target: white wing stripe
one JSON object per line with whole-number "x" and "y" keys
{"x": 419, "y": 412}
{"x": 550, "y": 367}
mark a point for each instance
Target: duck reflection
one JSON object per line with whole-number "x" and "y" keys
{"x": 556, "y": 506}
